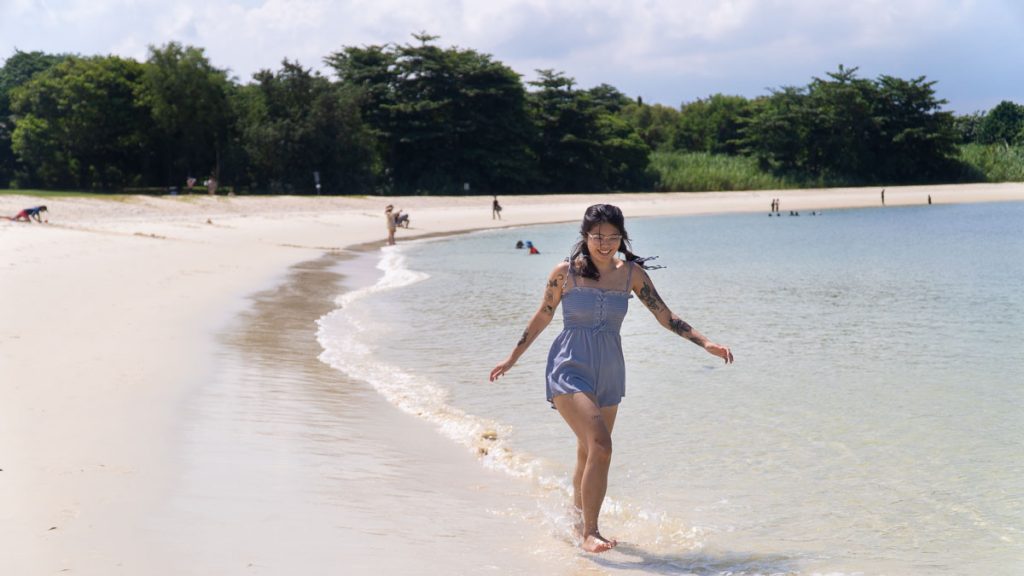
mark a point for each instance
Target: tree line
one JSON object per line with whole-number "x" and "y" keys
{"x": 418, "y": 118}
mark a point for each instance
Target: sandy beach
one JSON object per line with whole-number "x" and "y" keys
{"x": 158, "y": 359}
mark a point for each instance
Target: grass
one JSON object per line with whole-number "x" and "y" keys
{"x": 701, "y": 171}
{"x": 54, "y": 194}
{"x": 996, "y": 162}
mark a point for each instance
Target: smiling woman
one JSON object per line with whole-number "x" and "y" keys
{"x": 586, "y": 372}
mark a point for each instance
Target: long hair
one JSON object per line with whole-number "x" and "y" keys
{"x": 579, "y": 258}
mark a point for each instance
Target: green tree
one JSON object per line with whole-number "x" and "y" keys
{"x": 776, "y": 134}
{"x": 657, "y": 125}
{"x": 17, "y": 70}
{"x": 569, "y": 143}
{"x": 583, "y": 144}
{"x": 78, "y": 125}
{"x": 843, "y": 129}
{"x": 712, "y": 125}
{"x": 295, "y": 123}
{"x": 444, "y": 117}
{"x": 188, "y": 100}
{"x": 1003, "y": 124}
{"x": 916, "y": 140}
{"x": 968, "y": 127}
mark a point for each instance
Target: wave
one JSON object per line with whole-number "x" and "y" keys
{"x": 344, "y": 334}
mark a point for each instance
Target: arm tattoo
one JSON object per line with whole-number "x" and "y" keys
{"x": 549, "y": 296}
{"x": 526, "y": 334}
{"x": 649, "y": 296}
{"x": 685, "y": 330}
{"x": 679, "y": 326}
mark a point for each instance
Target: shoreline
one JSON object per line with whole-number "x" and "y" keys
{"x": 110, "y": 316}
{"x": 334, "y": 501}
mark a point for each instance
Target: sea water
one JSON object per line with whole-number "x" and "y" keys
{"x": 873, "y": 422}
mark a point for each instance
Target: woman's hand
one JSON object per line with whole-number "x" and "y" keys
{"x": 722, "y": 352}
{"x": 502, "y": 367}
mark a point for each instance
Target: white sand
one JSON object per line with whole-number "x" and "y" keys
{"x": 107, "y": 323}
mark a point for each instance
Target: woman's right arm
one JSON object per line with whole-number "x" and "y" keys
{"x": 541, "y": 318}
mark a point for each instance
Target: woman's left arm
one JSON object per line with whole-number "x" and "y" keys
{"x": 645, "y": 291}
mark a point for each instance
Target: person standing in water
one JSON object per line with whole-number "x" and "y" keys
{"x": 392, "y": 224}
{"x": 586, "y": 374}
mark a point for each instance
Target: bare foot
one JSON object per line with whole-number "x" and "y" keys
{"x": 596, "y": 543}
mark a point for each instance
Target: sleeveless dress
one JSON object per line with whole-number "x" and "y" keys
{"x": 587, "y": 355}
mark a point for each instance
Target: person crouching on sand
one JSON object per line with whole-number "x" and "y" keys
{"x": 29, "y": 214}
{"x": 586, "y": 374}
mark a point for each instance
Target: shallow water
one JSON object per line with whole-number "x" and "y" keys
{"x": 873, "y": 422}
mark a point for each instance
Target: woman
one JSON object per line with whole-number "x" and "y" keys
{"x": 391, "y": 223}
{"x": 585, "y": 370}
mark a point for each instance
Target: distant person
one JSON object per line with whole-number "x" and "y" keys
{"x": 586, "y": 374}
{"x": 532, "y": 248}
{"x": 883, "y": 196}
{"x": 402, "y": 219}
{"x": 30, "y": 214}
{"x": 519, "y": 245}
{"x": 389, "y": 218}
{"x": 929, "y": 199}
{"x": 211, "y": 186}
{"x": 495, "y": 209}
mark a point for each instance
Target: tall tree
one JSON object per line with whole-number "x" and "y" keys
{"x": 850, "y": 130}
{"x": 78, "y": 124}
{"x": 17, "y": 70}
{"x": 1003, "y": 124}
{"x": 583, "y": 146}
{"x": 188, "y": 100}
{"x": 294, "y": 125}
{"x": 444, "y": 117}
{"x": 656, "y": 124}
{"x": 917, "y": 139}
{"x": 712, "y": 125}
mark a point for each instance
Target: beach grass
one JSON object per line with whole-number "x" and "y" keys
{"x": 62, "y": 194}
{"x": 702, "y": 171}
{"x": 997, "y": 162}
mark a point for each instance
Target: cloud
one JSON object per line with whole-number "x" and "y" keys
{"x": 665, "y": 50}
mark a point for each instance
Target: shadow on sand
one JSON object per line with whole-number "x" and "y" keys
{"x": 631, "y": 558}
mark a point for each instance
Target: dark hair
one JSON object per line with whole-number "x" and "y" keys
{"x": 579, "y": 258}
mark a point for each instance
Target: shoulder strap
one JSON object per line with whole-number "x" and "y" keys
{"x": 629, "y": 274}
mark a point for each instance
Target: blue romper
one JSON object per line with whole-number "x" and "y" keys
{"x": 587, "y": 355}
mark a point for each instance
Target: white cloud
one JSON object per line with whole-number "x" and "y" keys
{"x": 663, "y": 49}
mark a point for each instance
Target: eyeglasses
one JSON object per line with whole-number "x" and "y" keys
{"x": 601, "y": 238}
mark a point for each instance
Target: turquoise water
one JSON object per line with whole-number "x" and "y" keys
{"x": 873, "y": 421}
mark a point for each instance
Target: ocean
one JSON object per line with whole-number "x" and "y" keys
{"x": 873, "y": 422}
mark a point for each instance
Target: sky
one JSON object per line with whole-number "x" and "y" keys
{"x": 667, "y": 52}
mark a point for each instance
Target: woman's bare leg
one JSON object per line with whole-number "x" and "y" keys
{"x": 592, "y": 426}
